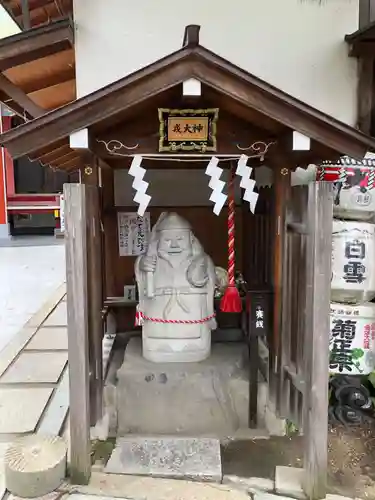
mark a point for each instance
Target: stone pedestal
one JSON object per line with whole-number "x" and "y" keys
{"x": 206, "y": 398}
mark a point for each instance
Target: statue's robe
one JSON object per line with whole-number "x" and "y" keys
{"x": 177, "y": 298}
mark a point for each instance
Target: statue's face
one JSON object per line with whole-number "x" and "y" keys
{"x": 175, "y": 241}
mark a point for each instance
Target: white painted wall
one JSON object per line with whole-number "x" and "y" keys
{"x": 296, "y": 45}
{"x": 7, "y": 26}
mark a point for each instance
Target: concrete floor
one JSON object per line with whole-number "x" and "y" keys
{"x": 31, "y": 269}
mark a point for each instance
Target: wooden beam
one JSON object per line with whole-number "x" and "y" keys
{"x": 36, "y": 43}
{"x": 48, "y": 81}
{"x": 318, "y": 292}
{"x": 33, "y": 4}
{"x": 63, "y": 159}
{"x": 45, "y": 14}
{"x": 56, "y": 154}
{"x": 362, "y": 42}
{"x": 78, "y": 348}
{"x": 25, "y": 14}
{"x": 18, "y": 96}
{"x": 362, "y": 49}
{"x": 41, "y": 152}
{"x": 68, "y": 165}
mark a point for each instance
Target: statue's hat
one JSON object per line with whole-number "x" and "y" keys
{"x": 170, "y": 221}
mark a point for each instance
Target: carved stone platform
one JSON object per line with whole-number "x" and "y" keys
{"x": 178, "y": 458}
{"x": 206, "y": 398}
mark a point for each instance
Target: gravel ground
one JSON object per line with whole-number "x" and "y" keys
{"x": 351, "y": 455}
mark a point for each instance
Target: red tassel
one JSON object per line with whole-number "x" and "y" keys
{"x": 231, "y": 301}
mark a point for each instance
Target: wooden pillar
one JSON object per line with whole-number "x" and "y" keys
{"x": 365, "y": 93}
{"x": 366, "y": 12}
{"x": 109, "y": 224}
{"x": 282, "y": 192}
{"x": 365, "y": 90}
{"x": 6, "y": 177}
{"x": 318, "y": 288}
{"x": 90, "y": 177}
{"x": 78, "y": 342}
{"x": 3, "y": 196}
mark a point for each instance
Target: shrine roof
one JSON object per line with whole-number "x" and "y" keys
{"x": 38, "y": 69}
{"x": 39, "y": 11}
{"x": 254, "y": 99}
{"x": 362, "y": 42}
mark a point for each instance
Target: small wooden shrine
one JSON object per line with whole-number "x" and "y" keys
{"x": 175, "y": 115}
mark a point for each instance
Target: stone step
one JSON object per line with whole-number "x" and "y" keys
{"x": 167, "y": 457}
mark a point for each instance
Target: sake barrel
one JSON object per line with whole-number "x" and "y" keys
{"x": 352, "y": 339}
{"x": 353, "y": 262}
{"x": 353, "y": 187}
{"x": 353, "y": 203}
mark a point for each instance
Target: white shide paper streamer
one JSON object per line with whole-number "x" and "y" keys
{"x": 248, "y": 184}
{"x": 217, "y": 185}
{"x": 139, "y": 185}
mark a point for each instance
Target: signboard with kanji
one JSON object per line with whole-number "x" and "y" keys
{"x": 187, "y": 129}
{"x": 133, "y": 233}
{"x": 352, "y": 339}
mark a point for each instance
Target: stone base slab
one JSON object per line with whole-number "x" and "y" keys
{"x": 176, "y": 458}
{"x": 207, "y": 398}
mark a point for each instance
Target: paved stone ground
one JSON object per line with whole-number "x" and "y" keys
{"x": 30, "y": 271}
{"x": 34, "y": 393}
{"x": 102, "y": 486}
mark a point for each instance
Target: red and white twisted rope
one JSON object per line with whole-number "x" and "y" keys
{"x": 231, "y": 231}
{"x": 178, "y": 321}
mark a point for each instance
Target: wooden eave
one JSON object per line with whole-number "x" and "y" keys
{"x": 118, "y": 99}
{"x": 40, "y": 11}
{"x": 40, "y": 69}
{"x": 362, "y": 42}
{"x": 36, "y": 43}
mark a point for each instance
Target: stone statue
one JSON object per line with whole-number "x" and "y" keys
{"x": 176, "y": 282}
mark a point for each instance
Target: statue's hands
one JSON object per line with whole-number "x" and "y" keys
{"x": 148, "y": 264}
{"x": 212, "y": 324}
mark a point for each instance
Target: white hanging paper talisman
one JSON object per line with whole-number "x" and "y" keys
{"x": 246, "y": 183}
{"x": 139, "y": 185}
{"x": 217, "y": 185}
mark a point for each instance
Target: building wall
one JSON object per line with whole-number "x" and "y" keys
{"x": 7, "y": 26}
{"x": 296, "y": 45}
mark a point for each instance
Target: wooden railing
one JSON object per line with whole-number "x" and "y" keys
{"x": 299, "y": 368}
